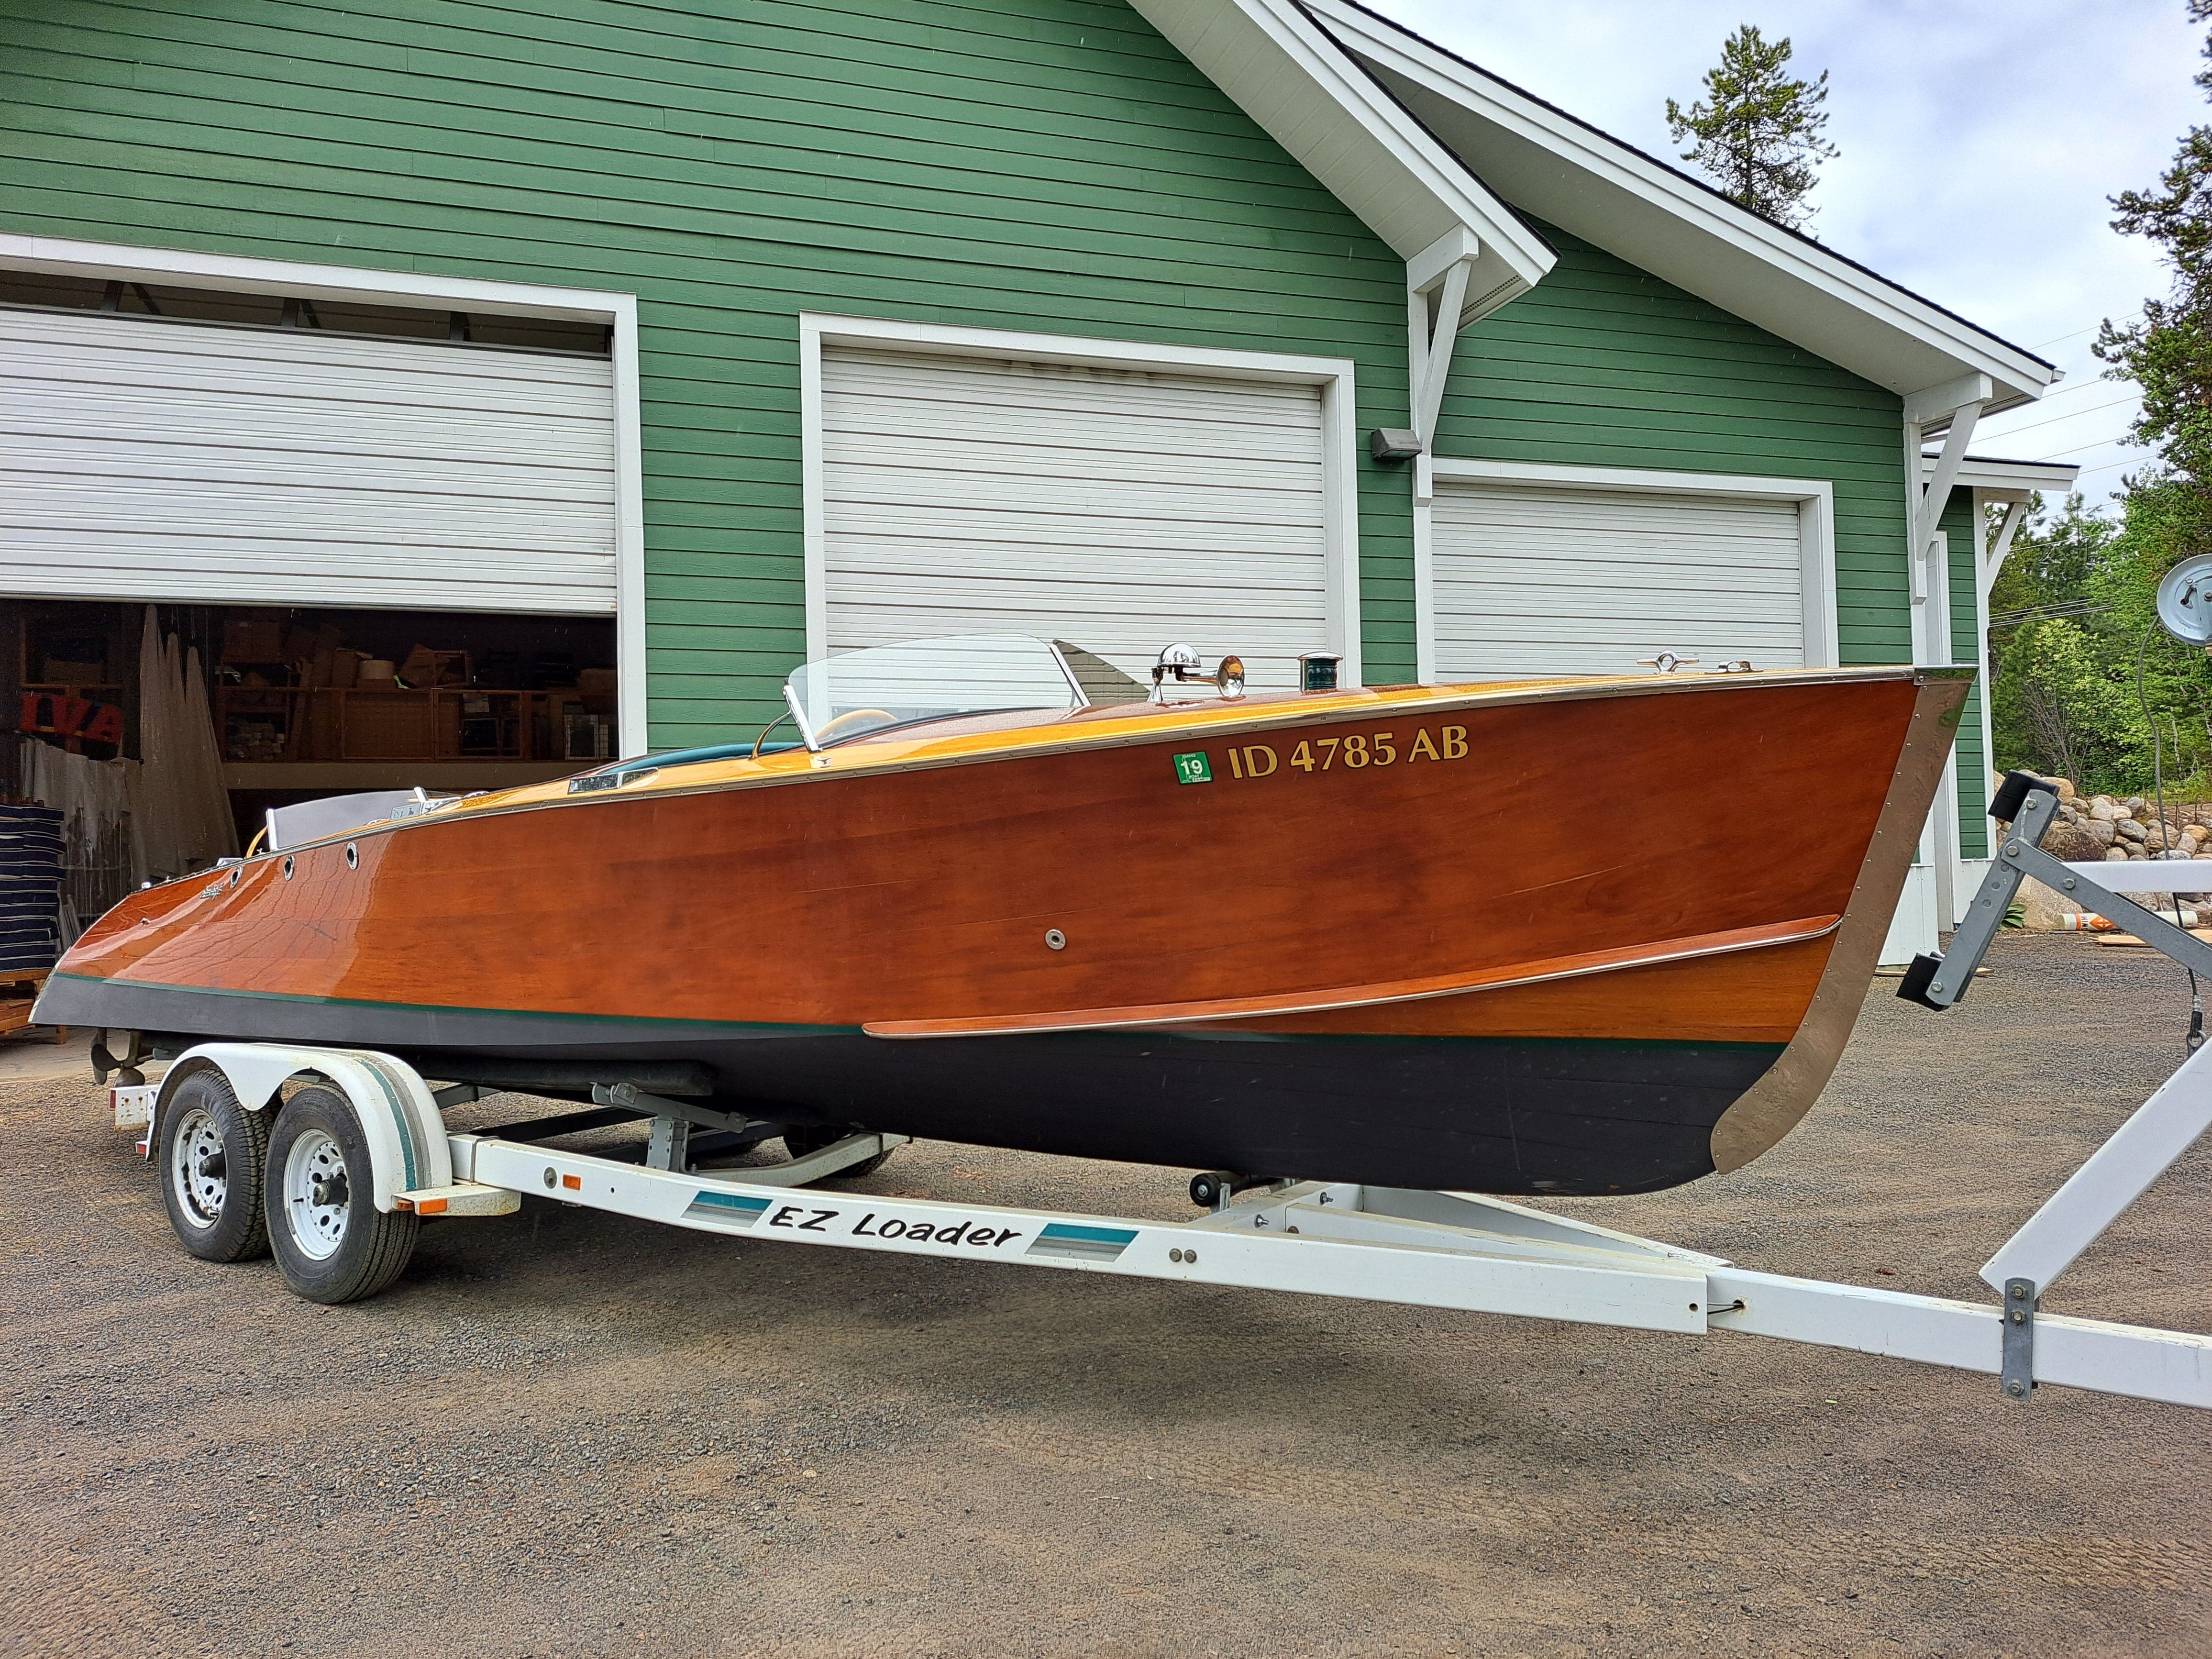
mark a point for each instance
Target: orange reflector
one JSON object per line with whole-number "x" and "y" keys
{"x": 431, "y": 1207}
{"x": 403, "y": 1204}
{"x": 575, "y": 1183}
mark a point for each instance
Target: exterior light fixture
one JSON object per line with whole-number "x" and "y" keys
{"x": 1390, "y": 443}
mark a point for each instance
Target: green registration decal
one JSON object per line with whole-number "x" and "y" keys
{"x": 1192, "y": 768}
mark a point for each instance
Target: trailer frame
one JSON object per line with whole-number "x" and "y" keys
{"x": 1442, "y": 1250}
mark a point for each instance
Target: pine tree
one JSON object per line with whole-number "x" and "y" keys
{"x": 1758, "y": 131}
{"x": 2168, "y": 352}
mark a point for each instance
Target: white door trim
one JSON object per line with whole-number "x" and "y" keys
{"x": 1332, "y": 375}
{"x": 103, "y": 261}
{"x": 1816, "y": 518}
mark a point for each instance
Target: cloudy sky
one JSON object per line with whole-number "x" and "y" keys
{"x": 1981, "y": 140}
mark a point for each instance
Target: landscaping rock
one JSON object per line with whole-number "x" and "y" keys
{"x": 2043, "y": 910}
{"x": 2077, "y": 843}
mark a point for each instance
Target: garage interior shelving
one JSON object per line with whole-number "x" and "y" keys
{"x": 527, "y": 698}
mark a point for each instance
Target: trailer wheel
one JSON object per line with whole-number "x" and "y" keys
{"x": 332, "y": 1241}
{"x": 212, "y": 1155}
{"x": 802, "y": 1143}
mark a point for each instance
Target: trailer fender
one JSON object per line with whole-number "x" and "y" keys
{"x": 406, "y": 1136}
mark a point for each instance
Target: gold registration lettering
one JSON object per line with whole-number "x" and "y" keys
{"x": 1357, "y": 750}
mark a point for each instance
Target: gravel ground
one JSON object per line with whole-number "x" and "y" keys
{"x": 570, "y": 1433}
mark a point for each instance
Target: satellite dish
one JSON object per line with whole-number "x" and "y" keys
{"x": 2184, "y": 600}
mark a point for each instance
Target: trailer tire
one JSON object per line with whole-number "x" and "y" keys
{"x": 331, "y": 1240}
{"x": 213, "y": 1154}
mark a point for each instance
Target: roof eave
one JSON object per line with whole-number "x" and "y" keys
{"x": 2000, "y": 480}
{"x": 1609, "y": 194}
{"x": 1337, "y": 121}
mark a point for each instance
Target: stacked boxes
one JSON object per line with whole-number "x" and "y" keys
{"x": 30, "y": 887}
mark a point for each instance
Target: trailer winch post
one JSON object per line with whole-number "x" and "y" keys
{"x": 2030, "y": 806}
{"x": 2160, "y": 1130}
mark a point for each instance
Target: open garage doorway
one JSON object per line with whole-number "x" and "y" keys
{"x": 280, "y": 705}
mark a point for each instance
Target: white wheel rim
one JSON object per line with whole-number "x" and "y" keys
{"x": 316, "y": 1195}
{"x": 197, "y": 1168}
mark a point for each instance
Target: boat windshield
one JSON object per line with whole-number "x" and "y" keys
{"x": 862, "y": 691}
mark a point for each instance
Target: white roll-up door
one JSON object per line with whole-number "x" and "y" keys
{"x": 191, "y": 461}
{"x": 1538, "y": 580}
{"x": 1120, "y": 510}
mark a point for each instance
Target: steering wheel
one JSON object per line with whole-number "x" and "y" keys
{"x": 838, "y": 728}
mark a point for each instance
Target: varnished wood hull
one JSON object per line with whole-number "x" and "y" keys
{"x": 1420, "y": 971}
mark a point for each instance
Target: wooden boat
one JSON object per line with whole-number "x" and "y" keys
{"x": 1346, "y": 934}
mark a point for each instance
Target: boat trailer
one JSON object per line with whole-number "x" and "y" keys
{"x": 1459, "y": 1250}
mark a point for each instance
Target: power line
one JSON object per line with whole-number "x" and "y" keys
{"x": 2107, "y": 466}
{"x": 2071, "y": 413}
{"x": 2098, "y": 324}
{"x": 2049, "y": 398}
{"x": 2053, "y": 612}
{"x": 2076, "y": 449}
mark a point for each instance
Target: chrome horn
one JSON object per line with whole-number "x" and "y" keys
{"x": 1182, "y": 664}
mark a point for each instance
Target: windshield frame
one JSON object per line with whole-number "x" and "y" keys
{"x": 814, "y": 744}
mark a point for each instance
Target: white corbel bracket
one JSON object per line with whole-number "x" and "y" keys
{"x": 1435, "y": 301}
{"x": 1957, "y": 405}
{"x": 2000, "y": 544}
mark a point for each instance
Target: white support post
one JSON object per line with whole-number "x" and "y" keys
{"x": 2162, "y": 1129}
{"x": 1958, "y": 402}
{"x": 1979, "y": 555}
{"x": 1436, "y": 300}
{"x": 1950, "y": 893}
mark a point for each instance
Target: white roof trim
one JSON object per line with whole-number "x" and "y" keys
{"x": 361, "y": 284}
{"x": 1607, "y": 193}
{"x": 2007, "y": 481}
{"x": 1285, "y": 71}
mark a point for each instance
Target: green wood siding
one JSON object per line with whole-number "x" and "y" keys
{"x": 1958, "y": 527}
{"x": 1602, "y": 364}
{"x": 1044, "y": 165}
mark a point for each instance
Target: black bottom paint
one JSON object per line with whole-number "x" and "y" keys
{"x": 1489, "y": 1115}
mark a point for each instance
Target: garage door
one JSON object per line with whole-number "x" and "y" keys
{"x": 191, "y": 461}
{"x": 1120, "y": 510}
{"x": 1541, "y": 580}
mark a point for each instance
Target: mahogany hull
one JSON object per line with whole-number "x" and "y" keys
{"x": 1400, "y": 971}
